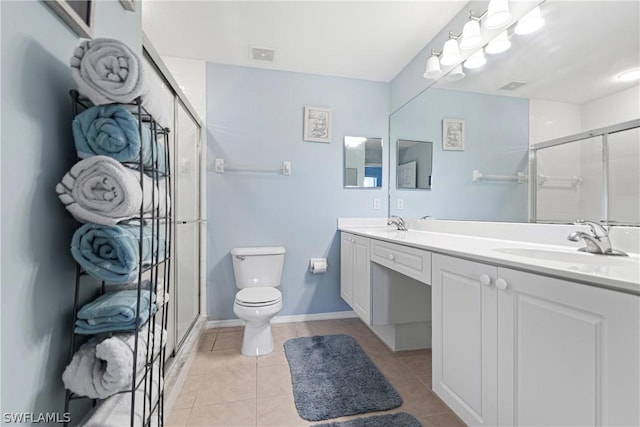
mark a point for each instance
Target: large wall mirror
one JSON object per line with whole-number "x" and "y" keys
{"x": 362, "y": 162}
{"x": 559, "y": 81}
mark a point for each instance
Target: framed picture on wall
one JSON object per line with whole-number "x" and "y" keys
{"x": 317, "y": 124}
{"x": 453, "y": 134}
{"x": 77, "y": 14}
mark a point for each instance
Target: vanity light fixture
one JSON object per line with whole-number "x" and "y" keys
{"x": 471, "y": 37}
{"x": 530, "y": 23}
{"x": 433, "y": 70}
{"x": 498, "y": 14}
{"x": 450, "y": 51}
{"x": 455, "y": 74}
{"x": 629, "y": 75}
{"x": 476, "y": 60}
{"x": 499, "y": 44}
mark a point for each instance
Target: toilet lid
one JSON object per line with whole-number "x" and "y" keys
{"x": 258, "y": 296}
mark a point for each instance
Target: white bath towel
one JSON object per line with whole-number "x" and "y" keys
{"x": 101, "y": 190}
{"x": 108, "y": 71}
{"x": 116, "y": 410}
{"x": 99, "y": 369}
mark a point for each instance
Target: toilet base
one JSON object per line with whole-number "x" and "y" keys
{"x": 257, "y": 339}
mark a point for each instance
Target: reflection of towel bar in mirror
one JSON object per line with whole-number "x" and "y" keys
{"x": 521, "y": 178}
{"x": 219, "y": 166}
{"x": 572, "y": 181}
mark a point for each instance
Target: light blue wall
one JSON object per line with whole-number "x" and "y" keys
{"x": 496, "y": 142}
{"x": 37, "y": 149}
{"x": 255, "y": 117}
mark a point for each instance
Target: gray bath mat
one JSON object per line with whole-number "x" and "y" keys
{"x": 333, "y": 377}
{"x": 399, "y": 419}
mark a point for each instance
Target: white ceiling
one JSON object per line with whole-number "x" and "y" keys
{"x": 371, "y": 40}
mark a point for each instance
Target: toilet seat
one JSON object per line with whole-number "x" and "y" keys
{"x": 258, "y": 297}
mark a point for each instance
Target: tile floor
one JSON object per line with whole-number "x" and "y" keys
{"x": 225, "y": 388}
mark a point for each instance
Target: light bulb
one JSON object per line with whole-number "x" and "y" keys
{"x": 471, "y": 37}
{"x": 455, "y": 74}
{"x": 476, "y": 60}
{"x": 499, "y": 44}
{"x": 433, "y": 70}
{"x": 450, "y": 53}
{"x": 498, "y": 14}
{"x": 529, "y": 23}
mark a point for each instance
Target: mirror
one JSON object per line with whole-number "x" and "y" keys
{"x": 558, "y": 81}
{"x": 362, "y": 162}
{"x": 413, "y": 168}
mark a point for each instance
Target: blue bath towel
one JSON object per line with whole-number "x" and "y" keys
{"x": 115, "y": 311}
{"x": 116, "y": 307}
{"x": 111, "y": 252}
{"x": 83, "y": 328}
{"x": 112, "y": 130}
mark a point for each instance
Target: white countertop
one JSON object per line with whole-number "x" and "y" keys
{"x": 614, "y": 272}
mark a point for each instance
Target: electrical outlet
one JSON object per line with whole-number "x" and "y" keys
{"x": 400, "y": 204}
{"x": 376, "y": 204}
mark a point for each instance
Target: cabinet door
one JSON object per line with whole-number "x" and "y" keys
{"x": 568, "y": 353}
{"x": 346, "y": 267}
{"x": 464, "y": 338}
{"x": 362, "y": 278}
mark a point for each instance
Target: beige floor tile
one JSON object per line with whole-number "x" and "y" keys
{"x": 276, "y": 357}
{"x": 273, "y": 381}
{"x": 231, "y": 340}
{"x": 441, "y": 420}
{"x": 226, "y": 329}
{"x": 419, "y": 401}
{"x": 207, "y": 341}
{"x": 224, "y": 360}
{"x": 242, "y": 413}
{"x": 185, "y": 400}
{"x": 418, "y": 361}
{"x": 191, "y": 383}
{"x": 226, "y": 386}
{"x": 282, "y": 334}
{"x": 279, "y": 411}
{"x": 200, "y": 363}
{"x": 177, "y": 418}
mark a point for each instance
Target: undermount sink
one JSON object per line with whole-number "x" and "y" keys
{"x": 567, "y": 257}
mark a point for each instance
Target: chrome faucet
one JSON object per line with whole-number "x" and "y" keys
{"x": 397, "y": 221}
{"x": 598, "y": 242}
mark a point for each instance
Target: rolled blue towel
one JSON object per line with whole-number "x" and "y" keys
{"x": 116, "y": 307}
{"x": 111, "y": 252}
{"x": 112, "y": 130}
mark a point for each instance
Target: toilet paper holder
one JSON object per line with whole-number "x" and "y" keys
{"x": 318, "y": 265}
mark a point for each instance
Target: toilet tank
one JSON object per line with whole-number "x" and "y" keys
{"x": 260, "y": 266}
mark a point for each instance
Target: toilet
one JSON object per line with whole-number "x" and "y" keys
{"x": 258, "y": 272}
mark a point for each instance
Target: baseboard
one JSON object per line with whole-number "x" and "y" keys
{"x": 286, "y": 319}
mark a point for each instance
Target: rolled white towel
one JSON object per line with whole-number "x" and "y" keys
{"x": 99, "y": 369}
{"x": 101, "y": 190}
{"x": 108, "y": 71}
{"x": 116, "y": 410}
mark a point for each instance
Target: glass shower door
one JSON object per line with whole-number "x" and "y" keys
{"x": 187, "y": 229}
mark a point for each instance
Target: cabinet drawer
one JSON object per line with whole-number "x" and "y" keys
{"x": 415, "y": 263}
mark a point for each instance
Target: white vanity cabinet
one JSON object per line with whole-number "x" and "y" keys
{"x": 464, "y": 340}
{"x": 355, "y": 274}
{"x": 517, "y": 349}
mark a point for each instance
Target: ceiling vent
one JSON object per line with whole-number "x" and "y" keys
{"x": 262, "y": 53}
{"x": 512, "y": 86}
